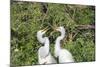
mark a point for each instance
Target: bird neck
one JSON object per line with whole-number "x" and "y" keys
{"x": 41, "y": 39}
{"x": 46, "y": 44}
{"x": 57, "y": 45}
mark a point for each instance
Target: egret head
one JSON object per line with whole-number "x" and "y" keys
{"x": 61, "y": 28}
{"x": 41, "y": 32}
{"x": 40, "y": 35}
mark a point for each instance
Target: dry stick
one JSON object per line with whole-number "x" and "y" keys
{"x": 74, "y": 35}
{"x": 80, "y": 27}
{"x": 45, "y": 15}
{"x": 70, "y": 37}
{"x": 69, "y": 16}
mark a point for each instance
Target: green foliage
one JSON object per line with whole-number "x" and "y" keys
{"x": 27, "y": 18}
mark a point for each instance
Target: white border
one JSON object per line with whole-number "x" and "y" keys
{"x": 83, "y": 2}
{"x": 4, "y": 33}
{"x": 5, "y": 38}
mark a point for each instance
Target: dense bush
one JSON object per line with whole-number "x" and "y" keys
{"x": 27, "y": 18}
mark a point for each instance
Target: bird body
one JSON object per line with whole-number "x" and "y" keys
{"x": 44, "y": 55}
{"x": 63, "y": 54}
{"x": 47, "y": 60}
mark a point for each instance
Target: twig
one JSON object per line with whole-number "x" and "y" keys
{"x": 80, "y": 27}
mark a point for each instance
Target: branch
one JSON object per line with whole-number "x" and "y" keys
{"x": 80, "y": 27}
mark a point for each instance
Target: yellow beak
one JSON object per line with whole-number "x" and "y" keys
{"x": 45, "y": 29}
{"x": 54, "y": 28}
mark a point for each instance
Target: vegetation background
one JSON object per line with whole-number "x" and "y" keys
{"x": 29, "y": 17}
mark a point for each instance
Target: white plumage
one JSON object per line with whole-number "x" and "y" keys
{"x": 44, "y": 55}
{"x": 63, "y": 54}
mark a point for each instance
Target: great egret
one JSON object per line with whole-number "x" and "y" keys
{"x": 63, "y": 54}
{"x": 44, "y": 55}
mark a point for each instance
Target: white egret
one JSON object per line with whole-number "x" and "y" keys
{"x": 63, "y": 54}
{"x": 44, "y": 55}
